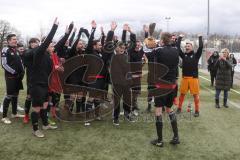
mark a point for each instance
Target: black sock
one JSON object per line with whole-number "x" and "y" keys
{"x": 78, "y": 105}
{"x": 50, "y": 104}
{"x": 173, "y": 120}
{"x": 225, "y": 102}
{"x": 83, "y": 104}
{"x": 34, "y": 119}
{"x": 27, "y": 105}
{"x": 14, "y": 105}
{"x": 149, "y": 106}
{"x": 159, "y": 127}
{"x": 44, "y": 117}
{"x": 6, "y": 103}
{"x": 96, "y": 103}
{"x": 97, "y": 107}
{"x": 89, "y": 106}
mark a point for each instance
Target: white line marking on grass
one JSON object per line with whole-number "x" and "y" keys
{"x": 213, "y": 92}
{"x": 231, "y": 102}
{"x": 210, "y": 80}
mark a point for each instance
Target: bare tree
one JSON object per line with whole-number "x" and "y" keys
{"x": 5, "y": 29}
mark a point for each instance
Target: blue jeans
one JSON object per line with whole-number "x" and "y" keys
{"x": 218, "y": 91}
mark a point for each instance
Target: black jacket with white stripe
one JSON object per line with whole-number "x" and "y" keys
{"x": 12, "y": 63}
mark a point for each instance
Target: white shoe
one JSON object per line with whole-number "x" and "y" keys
{"x": 135, "y": 113}
{"x": 1, "y": 108}
{"x": 6, "y": 120}
{"x": 19, "y": 108}
{"x": 38, "y": 134}
{"x": 98, "y": 118}
{"x": 17, "y": 115}
{"x": 87, "y": 124}
{"x": 49, "y": 127}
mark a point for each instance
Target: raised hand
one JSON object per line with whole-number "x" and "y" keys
{"x": 69, "y": 28}
{"x": 80, "y": 31}
{"x": 125, "y": 27}
{"x": 94, "y": 24}
{"x": 145, "y": 28}
{"x": 56, "y": 21}
{"x": 75, "y": 30}
{"x": 129, "y": 29}
{"x": 101, "y": 28}
{"x": 113, "y": 26}
{"x": 181, "y": 35}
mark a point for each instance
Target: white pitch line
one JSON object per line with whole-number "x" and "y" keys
{"x": 210, "y": 80}
{"x": 229, "y": 101}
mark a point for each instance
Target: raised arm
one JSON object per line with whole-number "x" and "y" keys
{"x": 200, "y": 48}
{"x": 179, "y": 40}
{"x": 73, "y": 49}
{"x": 72, "y": 37}
{"x": 124, "y": 33}
{"x": 146, "y": 30}
{"x": 40, "y": 51}
{"x": 59, "y": 46}
{"x": 111, "y": 32}
{"x": 103, "y": 36}
{"x": 89, "y": 48}
{"x": 133, "y": 39}
{"x": 107, "y": 54}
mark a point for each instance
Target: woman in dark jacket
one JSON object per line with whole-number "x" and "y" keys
{"x": 223, "y": 77}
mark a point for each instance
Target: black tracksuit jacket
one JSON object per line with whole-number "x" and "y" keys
{"x": 190, "y": 60}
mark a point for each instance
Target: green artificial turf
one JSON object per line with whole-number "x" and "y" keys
{"x": 215, "y": 135}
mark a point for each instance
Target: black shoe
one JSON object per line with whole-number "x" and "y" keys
{"x": 226, "y": 106}
{"x": 175, "y": 141}
{"x": 178, "y": 111}
{"x": 157, "y": 143}
{"x": 148, "y": 110}
{"x": 116, "y": 122}
{"x": 163, "y": 109}
{"x": 136, "y": 108}
{"x": 217, "y": 103}
{"x": 217, "y": 106}
{"x": 98, "y": 118}
{"x": 225, "y": 103}
{"x": 196, "y": 114}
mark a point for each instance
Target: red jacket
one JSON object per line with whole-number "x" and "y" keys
{"x": 54, "y": 80}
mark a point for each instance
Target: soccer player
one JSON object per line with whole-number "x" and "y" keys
{"x": 42, "y": 67}
{"x": 14, "y": 73}
{"x": 76, "y": 77}
{"x": 95, "y": 48}
{"x": 168, "y": 56}
{"x": 121, "y": 83}
{"x": 190, "y": 81}
{"x": 28, "y": 63}
{"x": 135, "y": 53}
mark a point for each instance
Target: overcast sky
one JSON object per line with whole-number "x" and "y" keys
{"x": 28, "y": 16}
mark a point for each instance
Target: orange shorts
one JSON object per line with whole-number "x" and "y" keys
{"x": 189, "y": 83}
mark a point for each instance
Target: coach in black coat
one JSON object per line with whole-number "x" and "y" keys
{"x": 211, "y": 66}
